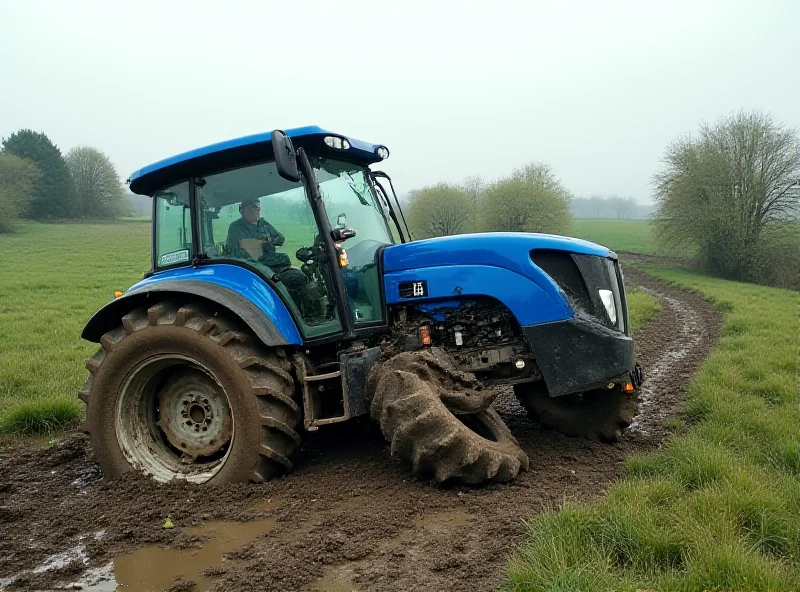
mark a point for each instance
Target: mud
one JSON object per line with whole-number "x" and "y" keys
{"x": 349, "y": 517}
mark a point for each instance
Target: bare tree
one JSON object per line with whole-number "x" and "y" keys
{"x": 439, "y": 210}
{"x": 96, "y": 181}
{"x": 624, "y": 207}
{"x": 720, "y": 192}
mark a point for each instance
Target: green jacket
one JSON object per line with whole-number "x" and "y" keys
{"x": 260, "y": 230}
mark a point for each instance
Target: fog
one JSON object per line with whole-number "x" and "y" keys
{"x": 595, "y": 89}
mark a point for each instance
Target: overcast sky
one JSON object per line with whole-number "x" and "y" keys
{"x": 597, "y": 89}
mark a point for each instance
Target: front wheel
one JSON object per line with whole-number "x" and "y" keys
{"x": 178, "y": 393}
{"x": 598, "y": 414}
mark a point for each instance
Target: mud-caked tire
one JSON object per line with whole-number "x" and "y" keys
{"x": 179, "y": 392}
{"x": 471, "y": 448}
{"x": 600, "y": 414}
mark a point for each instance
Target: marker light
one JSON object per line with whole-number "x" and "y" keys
{"x": 425, "y": 335}
{"x": 336, "y": 142}
{"x": 383, "y": 152}
{"x": 117, "y": 294}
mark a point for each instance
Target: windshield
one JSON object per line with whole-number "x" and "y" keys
{"x": 349, "y": 198}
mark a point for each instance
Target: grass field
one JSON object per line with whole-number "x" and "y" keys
{"x": 54, "y": 277}
{"x": 718, "y": 508}
{"x": 632, "y": 236}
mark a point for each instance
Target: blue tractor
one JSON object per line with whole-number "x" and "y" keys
{"x": 286, "y": 294}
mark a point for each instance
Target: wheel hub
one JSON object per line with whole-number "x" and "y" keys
{"x": 193, "y": 414}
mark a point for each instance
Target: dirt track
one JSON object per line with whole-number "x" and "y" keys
{"x": 347, "y": 518}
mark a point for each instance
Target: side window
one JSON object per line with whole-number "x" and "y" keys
{"x": 173, "y": 225}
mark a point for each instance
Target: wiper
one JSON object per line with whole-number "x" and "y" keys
{"x": 352, "y": 184}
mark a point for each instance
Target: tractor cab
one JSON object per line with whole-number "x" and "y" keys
{"x": 310, "y": 223}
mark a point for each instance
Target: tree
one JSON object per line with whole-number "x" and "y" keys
{"x": 439, "y": 210}
{"x": 531, "y": 199}
{"x": 624, "y": 207}
{"x": 54, "y": 194}
{"x": 96, "y": 181}
{"x": 18, "y": 180}
{"x": 722, "y": 192}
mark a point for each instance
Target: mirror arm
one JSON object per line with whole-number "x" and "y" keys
{"x": 383, "y": 175}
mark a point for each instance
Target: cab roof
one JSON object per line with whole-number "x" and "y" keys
{"x": 240, "y": 151}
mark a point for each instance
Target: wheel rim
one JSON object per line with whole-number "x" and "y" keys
{"x": 173, "y": 420}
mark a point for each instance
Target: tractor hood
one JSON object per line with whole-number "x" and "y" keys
{"x": 510, "y": 250}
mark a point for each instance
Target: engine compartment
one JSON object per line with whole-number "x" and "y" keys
{"x": 480, "y": 334}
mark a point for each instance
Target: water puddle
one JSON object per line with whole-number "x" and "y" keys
{"x": 156, "y": 568}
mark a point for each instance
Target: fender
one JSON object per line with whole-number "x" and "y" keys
{"x": 234, "y": 288}
{"x": 526, "y": 300}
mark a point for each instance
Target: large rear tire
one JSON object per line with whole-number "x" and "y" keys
{"x": 177, "y": 392}
{"x": 600, "y": 414}
{"x": 472, "y": 448}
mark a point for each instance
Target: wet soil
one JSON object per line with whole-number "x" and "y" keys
{"x": 349, "y": 517}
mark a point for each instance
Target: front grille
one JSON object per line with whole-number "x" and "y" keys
{"x": 581, "y": 277}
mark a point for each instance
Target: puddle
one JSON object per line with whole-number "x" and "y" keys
{"x": 156, "y": 568}
{"x": 651, "y": 411}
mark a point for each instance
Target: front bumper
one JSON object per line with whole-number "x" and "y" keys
{"x": 580, "y": 354}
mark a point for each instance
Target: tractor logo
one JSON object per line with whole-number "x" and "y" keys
{"x": 414, "y": 289}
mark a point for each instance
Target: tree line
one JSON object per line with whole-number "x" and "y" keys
{"x": 37, "y": 182}
{"x": 728, "y": 198}
{"x": 613, "y": 207}
{"x": 529, "y": 199}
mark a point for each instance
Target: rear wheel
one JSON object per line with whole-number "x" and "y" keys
{"x": 598, "y": 414}
{"x": 178, "y": 393}
{"x": 473, "y": 447}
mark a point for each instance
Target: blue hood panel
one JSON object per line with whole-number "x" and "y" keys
{"x": 509, "y": 250}
{"x": 496, "y": 264}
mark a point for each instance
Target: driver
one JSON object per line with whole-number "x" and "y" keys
{"x": 252, "y": 226}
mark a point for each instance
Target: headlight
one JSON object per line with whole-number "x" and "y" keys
{"x": 607, "y": 296}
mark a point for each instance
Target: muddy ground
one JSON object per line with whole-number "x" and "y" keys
{"x": 348, "y": 517}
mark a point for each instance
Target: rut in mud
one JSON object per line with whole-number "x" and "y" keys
{"x": 348, "y": 518}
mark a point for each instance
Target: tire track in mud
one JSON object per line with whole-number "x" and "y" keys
{"x": 349, "y": 517}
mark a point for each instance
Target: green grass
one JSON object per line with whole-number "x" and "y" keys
{"x": 54, "y": 277}
{"x": 632, "y": 236}
{"x": 641, "y": 307}
{"x": 718, "y": 508}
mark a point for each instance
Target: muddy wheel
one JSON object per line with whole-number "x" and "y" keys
{"x": 600, "y": 414}
{"x": 472, "y": 448}
{"x": 177, "y": 393}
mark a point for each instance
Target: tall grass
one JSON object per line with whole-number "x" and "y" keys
{"x": 717, "y": 508}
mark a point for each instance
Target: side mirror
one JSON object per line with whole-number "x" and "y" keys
{"x": 341, "y": 221}
{"x": 285, "y": 157}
